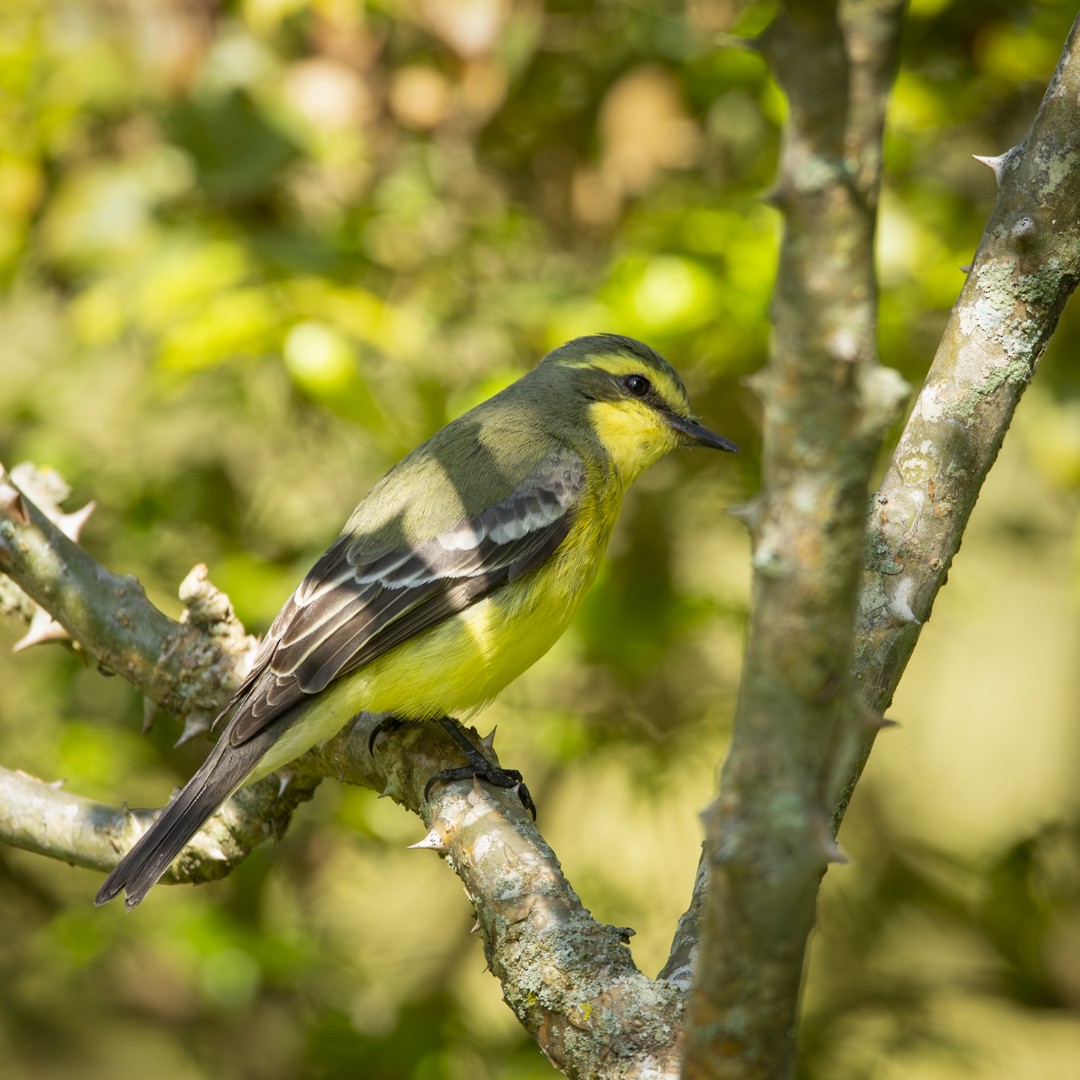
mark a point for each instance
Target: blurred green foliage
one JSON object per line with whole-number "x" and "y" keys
{"x": 253, "y": 252}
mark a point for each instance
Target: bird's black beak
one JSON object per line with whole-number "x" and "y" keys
{"x": 694, "y": 432}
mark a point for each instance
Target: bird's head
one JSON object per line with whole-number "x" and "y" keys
{"x": 633, "y": 398}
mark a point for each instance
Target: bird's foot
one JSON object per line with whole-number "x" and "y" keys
{"x": 478, "y": 767}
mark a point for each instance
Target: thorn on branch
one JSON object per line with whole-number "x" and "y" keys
{"x": 992, "y": 163}
{"x": 11, "y": 502}
{"x": 43, "y": 629}
{"x": 875, "y": 721}
{"x": 71, "y": 525}
{"x": 47, "y": 490}
{"x": 749, "y": 513}
{"x": 900, "y": 608}
{"x": 195, "y": 723}
{"x": 830, "y": 849}
{"x": 433, "y": 841}
{"x": 997, "y": 163}
{"x": 834, "y": 853}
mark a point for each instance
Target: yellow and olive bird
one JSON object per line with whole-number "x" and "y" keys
{"x": 457, "y": 571}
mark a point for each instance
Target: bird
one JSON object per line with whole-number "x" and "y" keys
{"x": 457, "y": 571}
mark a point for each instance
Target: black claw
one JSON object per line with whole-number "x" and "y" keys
{"x": 479, "y": 767}
{"x": 526, "y": 799}
{"x": 387, "y": 723}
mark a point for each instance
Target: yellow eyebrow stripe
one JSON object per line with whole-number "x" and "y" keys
{"x": 619, "y": 364}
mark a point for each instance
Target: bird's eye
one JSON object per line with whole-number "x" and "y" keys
{"x": 638, "y": 385}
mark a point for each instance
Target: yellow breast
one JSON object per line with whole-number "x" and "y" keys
{"x": 467, "y": 660}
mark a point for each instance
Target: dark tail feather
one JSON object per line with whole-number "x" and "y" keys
{"x": 221, "y": 774}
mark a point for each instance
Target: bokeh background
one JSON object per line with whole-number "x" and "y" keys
{"x": 254, "y": 251}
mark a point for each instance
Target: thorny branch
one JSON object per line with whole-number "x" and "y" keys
{"x": 570, "y": 980}
{"x": 827, "y": 405}
{"x": 1026, "y": 267}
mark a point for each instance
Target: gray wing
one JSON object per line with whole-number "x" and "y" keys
{"x": 354, "y": 606}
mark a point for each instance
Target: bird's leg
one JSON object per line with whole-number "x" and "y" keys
{"x": 478, "y": 767}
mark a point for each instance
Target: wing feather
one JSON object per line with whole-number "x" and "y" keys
{"x": 356, "y": 604}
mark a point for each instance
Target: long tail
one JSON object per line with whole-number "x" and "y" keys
{"x": 221, "y": 774}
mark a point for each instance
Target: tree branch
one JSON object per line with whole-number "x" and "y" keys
{"x": 41, "y": 817}
{"x": 827, "y": 404}
{"x": 188, "y": 667}
{"x": 1026, "y": 267}
{"x": 570, "y": 980}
